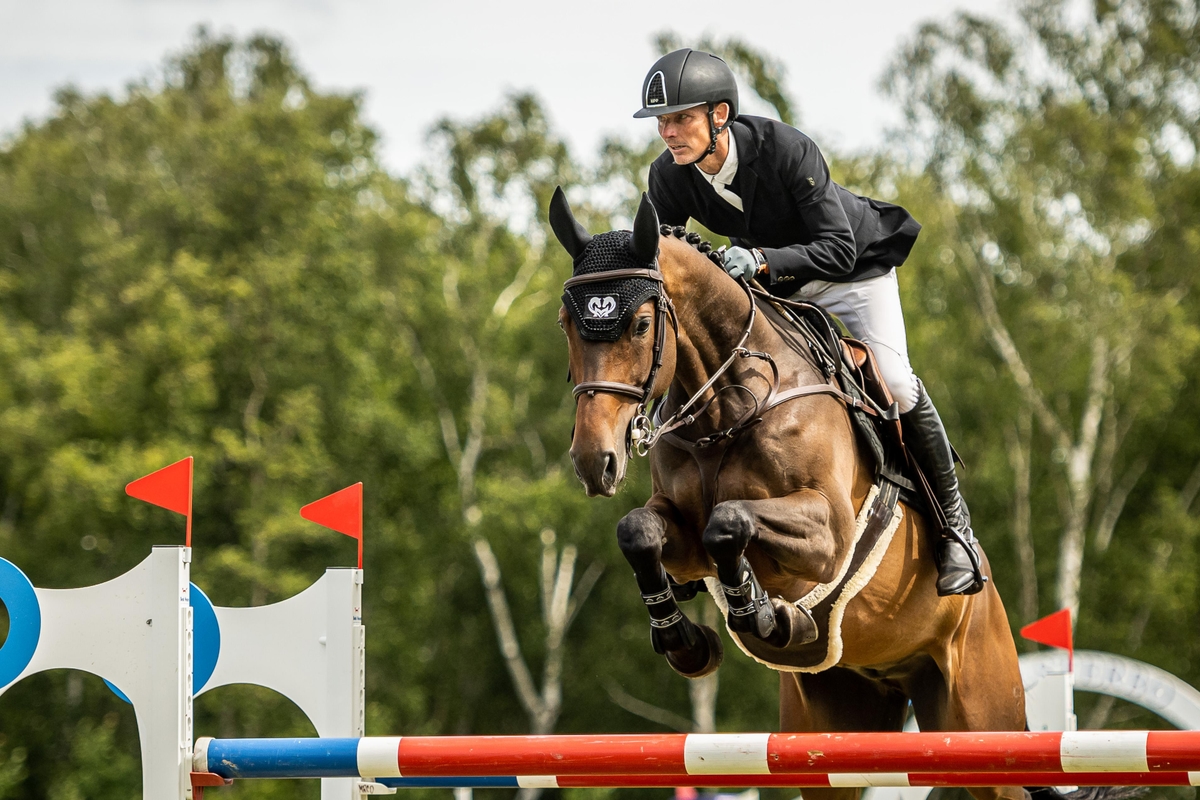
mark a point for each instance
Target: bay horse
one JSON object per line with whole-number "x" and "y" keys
{"x": 762, "y": 495}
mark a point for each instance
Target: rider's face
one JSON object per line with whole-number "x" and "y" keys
{"x": 686, "y": 133}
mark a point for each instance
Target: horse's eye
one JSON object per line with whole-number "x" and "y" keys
{"x": 643, "y": 325}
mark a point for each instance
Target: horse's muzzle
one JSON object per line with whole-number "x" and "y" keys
{"x": 600, "y": 471}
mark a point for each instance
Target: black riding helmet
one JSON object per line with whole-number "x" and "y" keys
{"x": 687, "y": 78}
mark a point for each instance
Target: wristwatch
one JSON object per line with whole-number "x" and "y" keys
{"x": 762, "y": 263}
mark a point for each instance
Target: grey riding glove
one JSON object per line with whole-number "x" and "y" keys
{"x": 743, "y": 263}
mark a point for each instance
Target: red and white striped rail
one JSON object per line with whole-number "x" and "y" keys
{"x": 763, "y": 753}
{"x": 798, "y": 781}
{"x": 757, "y": 754}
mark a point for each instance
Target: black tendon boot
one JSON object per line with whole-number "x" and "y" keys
{"x": 958, "y": 570}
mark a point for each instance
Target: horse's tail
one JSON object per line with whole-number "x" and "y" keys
{"x": 1087, "y": 793}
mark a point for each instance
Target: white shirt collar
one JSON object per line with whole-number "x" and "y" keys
{"x": 725, "y": 174}
{"x": 720, "y": 182}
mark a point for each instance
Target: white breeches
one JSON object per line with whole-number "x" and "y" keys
{"x": 870, "y": 310}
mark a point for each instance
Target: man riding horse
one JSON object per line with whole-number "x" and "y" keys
{"x": 766, "y": 186}
{"x": 762, "y": 489}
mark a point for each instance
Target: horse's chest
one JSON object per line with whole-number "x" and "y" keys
{"x": 695, "y": 480}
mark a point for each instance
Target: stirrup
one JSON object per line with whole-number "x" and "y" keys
{"x": 973, "y": 569}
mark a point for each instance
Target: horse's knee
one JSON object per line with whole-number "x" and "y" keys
{"x": 821, "y": 557}
{"x": 729, "y": 531}
{"x": 640, "y": 535}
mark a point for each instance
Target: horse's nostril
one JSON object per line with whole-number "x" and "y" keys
{"x": 610, "y": 467}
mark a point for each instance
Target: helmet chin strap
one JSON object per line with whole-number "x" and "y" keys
{"x": 713, "y": 133}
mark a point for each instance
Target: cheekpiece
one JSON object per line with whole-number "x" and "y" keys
{"x": 602, "y": 310}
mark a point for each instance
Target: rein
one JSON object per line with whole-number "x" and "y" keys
{"x": 644, "y": 434}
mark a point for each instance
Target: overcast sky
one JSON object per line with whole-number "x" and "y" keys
{"x": 419, "y": 61}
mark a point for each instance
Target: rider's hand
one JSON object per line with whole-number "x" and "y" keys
{"x": 743, "y": 263}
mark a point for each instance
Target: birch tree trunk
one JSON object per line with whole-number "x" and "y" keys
{"x": 559, "y": 604}
{"x": 559, "y": 608}
{"x": 1077, "y": 451}
{"x": 1020, "y": 448}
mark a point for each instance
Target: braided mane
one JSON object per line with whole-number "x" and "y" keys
{"x": 694, "y": 239}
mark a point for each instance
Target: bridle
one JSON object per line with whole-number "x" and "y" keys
{"x": 643, "y": 433}
{"x": 663, "y": 309}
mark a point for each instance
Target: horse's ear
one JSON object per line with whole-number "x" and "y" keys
{"x": 571, "y": 235}
{"x": 645, "y": 231}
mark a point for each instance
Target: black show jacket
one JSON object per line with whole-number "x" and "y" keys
{"x": 807, "y": 226}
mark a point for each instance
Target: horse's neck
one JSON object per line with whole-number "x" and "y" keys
{"x": 713, "y": 312}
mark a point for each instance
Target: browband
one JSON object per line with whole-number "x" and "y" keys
{"x": 613, "y": 275}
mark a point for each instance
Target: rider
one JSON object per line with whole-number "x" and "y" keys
{"x": 765, "y": 185}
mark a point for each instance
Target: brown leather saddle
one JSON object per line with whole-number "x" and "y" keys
{"x": 879, "y": 423}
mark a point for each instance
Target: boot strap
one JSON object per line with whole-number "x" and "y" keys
{"x": 745, "y": 590}
{"x": 668, "y": 621}
{"x": 658, "y": 598}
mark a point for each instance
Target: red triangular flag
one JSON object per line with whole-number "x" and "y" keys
{"x": 1054, "y": 630}
{"x": 340, "y": 511}
{"x": 169, "y": 488}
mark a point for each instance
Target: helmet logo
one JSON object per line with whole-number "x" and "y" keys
{"x": 601, "y": 307}
{"x": 656, "y": 90}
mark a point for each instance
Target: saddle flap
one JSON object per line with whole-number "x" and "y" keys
{"x": 860, "y": 359}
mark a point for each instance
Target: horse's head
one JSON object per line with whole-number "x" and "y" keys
{"x": 616, "y": 317}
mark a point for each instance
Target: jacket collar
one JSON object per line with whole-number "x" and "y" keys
{"x": 747, "y": 150}
{"x": 747, "y": 155}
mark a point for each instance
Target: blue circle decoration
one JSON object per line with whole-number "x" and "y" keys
{"x": 206, "y": 639}
{"x": 117, "y": 691}
{"x": 24, "y": 622}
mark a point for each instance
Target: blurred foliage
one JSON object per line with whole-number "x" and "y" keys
{"x": 1060, "y": 166}
{"x": 216, "y": 264}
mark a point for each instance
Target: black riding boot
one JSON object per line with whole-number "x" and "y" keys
{"x": 926, "y": 440}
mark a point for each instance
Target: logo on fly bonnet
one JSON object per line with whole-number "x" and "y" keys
{"x": 601, "y": 307}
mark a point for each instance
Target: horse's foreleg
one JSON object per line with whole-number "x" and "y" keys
{"x": 794, "y": 531}
{"x": 730, "y": 530}
{"x": 973, "y": 682}
{"x": 692, "y": 650}
{"x": 837, "y": 700}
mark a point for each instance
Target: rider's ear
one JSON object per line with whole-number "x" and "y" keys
{"x": 645, "y": 231}
{"x": 571, "y": 235}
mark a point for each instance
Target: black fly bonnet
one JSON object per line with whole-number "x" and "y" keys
{"x": 611, "y": 288}
{"x": 614, "y": 274}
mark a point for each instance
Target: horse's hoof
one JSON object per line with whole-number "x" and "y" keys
{"x": 794, "y": 625}
{"x": 699, "y": 661}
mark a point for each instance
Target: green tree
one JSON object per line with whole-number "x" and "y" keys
{"x": 196, "y": 268}
{"x": 217, "y": 265}
{"x": 1061, "y": 201}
